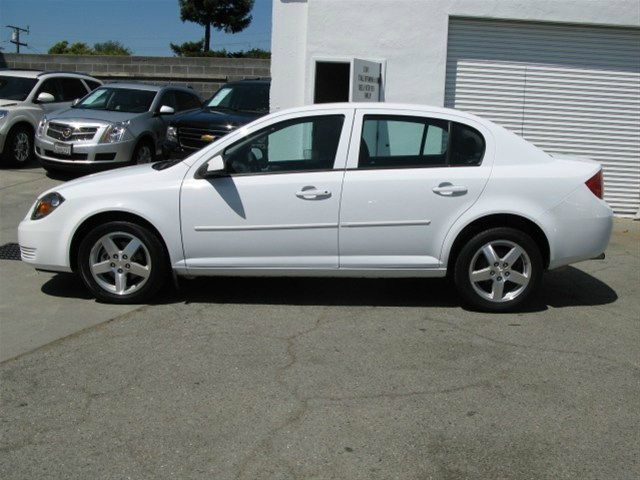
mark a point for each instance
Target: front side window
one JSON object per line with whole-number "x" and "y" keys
{"x": 389, "y": 141}
{"x": 16, "y": 88}
{"x": 303, "y": 144}
{"x": 118, "y": 100}
{"x": 187, "y": 101}
{"x": 53, "y": 87}
{"x": 92, "y": 84}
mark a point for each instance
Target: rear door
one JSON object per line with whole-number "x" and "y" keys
{"x": 410, "y": 175}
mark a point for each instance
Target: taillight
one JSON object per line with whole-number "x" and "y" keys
{"x": 596, "y": 185}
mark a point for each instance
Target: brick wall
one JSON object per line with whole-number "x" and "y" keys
{"x": 205, "y": 75}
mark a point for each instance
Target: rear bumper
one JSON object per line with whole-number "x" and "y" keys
{"x": 579, "y": 228}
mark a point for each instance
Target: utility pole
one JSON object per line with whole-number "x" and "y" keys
{"x": 15, "y": 36}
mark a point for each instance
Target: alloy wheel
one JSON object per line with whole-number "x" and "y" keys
{"x": 144, "y": 154}
{"x": 120, "y": 263}
{"x": 21, "y": 147}
{"x": 500, "y": 271}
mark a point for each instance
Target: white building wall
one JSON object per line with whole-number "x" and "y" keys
{"x": 411, "y": 35}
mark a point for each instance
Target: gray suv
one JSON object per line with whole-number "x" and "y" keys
{"x": 116, "y": 124}
{"x": 27, "y": 95}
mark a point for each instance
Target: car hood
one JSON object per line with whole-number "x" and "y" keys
{"x": 93, "y": 115}
{"x": 211, "y": 119}
{"x": 112, "y": 182}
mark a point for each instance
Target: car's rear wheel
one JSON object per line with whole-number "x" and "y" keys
{"x": 122, "y": 262}
{"x": 498, "y": 269}
{"x": 18, "y": 148}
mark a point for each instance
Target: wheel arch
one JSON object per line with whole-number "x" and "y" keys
{"x": 147, "y": 136}
{"x": 109, "y": 216}
{"x": 511, "y": 220}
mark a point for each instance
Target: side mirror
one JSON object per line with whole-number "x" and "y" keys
{"x": 75, "y": 102}
{"x": 44, "y": 97}
{"x": 215, "y": 166}
{"x": 166, "y": 110}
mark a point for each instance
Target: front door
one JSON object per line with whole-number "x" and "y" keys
{"x": 409, "y": 177}
{"x": 277, "y": 205}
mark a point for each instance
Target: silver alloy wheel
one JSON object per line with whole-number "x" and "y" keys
{"x": 120, "y": 263}
{"x": 21, "y": 148}
{"x": 144, "y": 154}
{"x": 500, "y": 271}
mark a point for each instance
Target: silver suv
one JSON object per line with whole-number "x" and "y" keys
{"x": 25, "y": 96}
{"x": 116, "y": 124}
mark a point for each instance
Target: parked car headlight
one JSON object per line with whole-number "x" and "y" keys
{"x": 115, "y": 133}
{"x": 42, "y": 126}
{"x": 3, "y": 113}
{"x": 46, "y": 205}
{"x": 172, "y": 134}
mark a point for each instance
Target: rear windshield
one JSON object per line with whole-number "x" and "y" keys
{"x": 118, "y": 100}
{"x": 242, "y": 98}
{"x": 16, "y": 88}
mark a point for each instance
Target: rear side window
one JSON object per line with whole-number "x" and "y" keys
{"x": 72, "y": 88}
{"x": 415, "y": 142}
{"x": 467, "y": 146}
{"x": 187, "y": 101}
{"x": 403, "y": 142}
{"x": 92, "y": 84}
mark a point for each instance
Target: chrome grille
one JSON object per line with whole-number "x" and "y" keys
{"x": 57, "y": 130}
{"x": 191, "y": 138}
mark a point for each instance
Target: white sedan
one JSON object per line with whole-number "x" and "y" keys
{"x": 356, "y": 190}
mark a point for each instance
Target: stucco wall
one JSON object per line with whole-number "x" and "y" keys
{"x": 410, "y": 34}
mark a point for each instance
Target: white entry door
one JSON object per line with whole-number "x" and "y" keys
{"x": 277, "y": 204}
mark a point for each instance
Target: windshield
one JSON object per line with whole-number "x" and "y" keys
{"x": 118, "y": 100}
{"x": 16, "y": 88}
{"x": 246, "y": 98}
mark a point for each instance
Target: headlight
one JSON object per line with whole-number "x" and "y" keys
{"x": 46, "y": 205}
{"x": 3, "y": 113}
{"x": 115, "y": 133}
{"x": 172, "y": 134}
{"x": 42, "y": 126}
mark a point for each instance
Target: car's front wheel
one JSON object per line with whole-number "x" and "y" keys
{"x": 122, "y": 262}
{"x": 498, "y": 269}
{"x": 18, "y": 148}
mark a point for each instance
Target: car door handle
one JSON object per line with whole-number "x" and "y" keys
{"x": 312, "y": 193}
{"x": 449, "y": 190}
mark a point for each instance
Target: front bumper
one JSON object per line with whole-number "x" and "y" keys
{"x": 42, "y": 245}
{"x": 85, "y": 154}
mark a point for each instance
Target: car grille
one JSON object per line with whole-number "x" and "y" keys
{"x": 56, "y": 130}
{"x": 191, "y": 138}
{"x": 27, "y": 253}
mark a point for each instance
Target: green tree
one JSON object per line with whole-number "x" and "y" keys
{"x": 79, "y": 48}
{"x": 230, "y": 16}
{"x": 188, "y": 49}
{"x": 110, "y": 47}
{"x": 59, "y": 48}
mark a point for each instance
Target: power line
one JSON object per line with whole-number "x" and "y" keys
{"x": 15, "y": 36}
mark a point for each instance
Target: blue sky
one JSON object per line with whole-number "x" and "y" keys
{"x": 145, "y": 26}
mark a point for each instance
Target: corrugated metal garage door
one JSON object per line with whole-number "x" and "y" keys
{"x": 569, "y": 89}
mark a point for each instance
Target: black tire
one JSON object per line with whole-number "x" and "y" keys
{"x": 502, "y": 241}
{"x": 14, "y": 154}
{"x": 157, "y": 262}
{"x": 140, "y": 147}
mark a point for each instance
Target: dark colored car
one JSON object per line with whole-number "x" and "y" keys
{"x": 233, "y": 105}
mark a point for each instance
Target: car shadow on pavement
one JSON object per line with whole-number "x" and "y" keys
{"x": 564, "y": 287}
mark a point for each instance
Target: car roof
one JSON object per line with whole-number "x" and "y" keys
{"x": 387, "y": 106}
{"x": 43, "y": 74}
{"x": 250, "y": 81}
{"x": 147, "y": 87}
